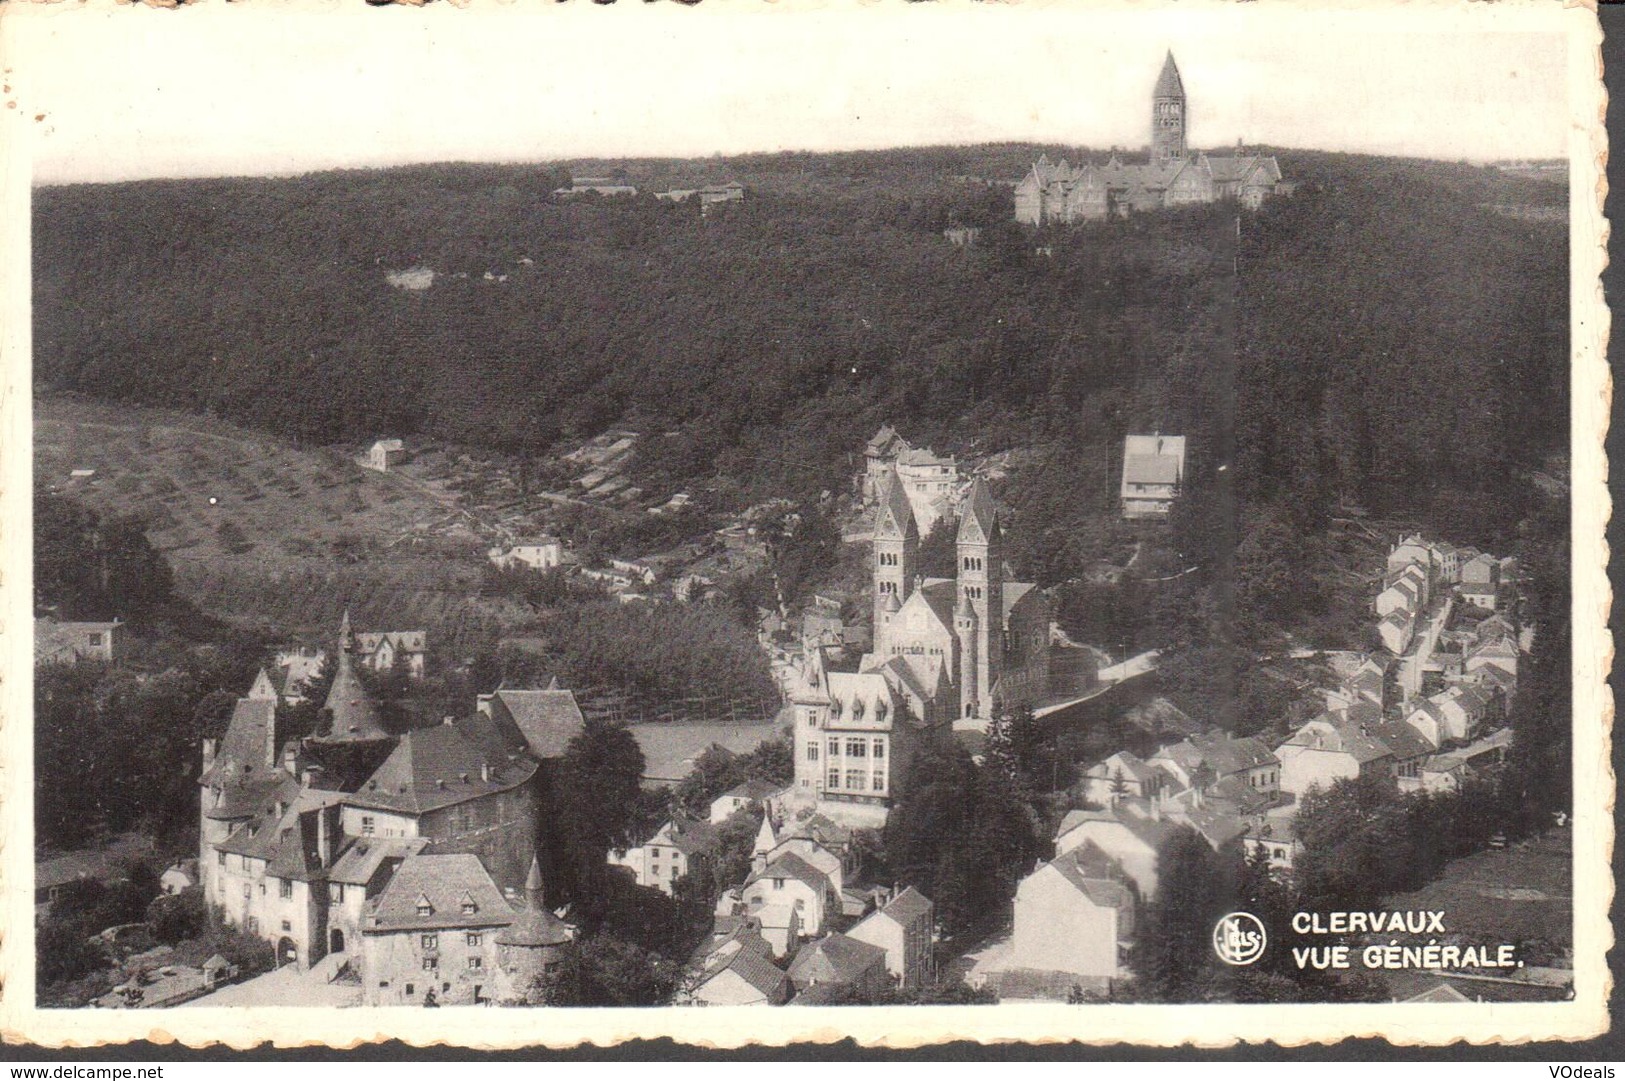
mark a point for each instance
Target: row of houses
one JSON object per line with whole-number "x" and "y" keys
{"x": 800, "y": 928}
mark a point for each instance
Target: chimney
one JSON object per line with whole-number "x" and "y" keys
{"x": 485, "y": 771}
{"x": 209, "y": 747}
{"x": 324, "y": 836}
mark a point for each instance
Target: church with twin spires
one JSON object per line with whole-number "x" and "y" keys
{"x": 972, "y": 646}
{"x": 1065, "y": 194}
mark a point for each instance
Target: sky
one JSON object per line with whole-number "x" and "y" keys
{"x": 131, "y": 92}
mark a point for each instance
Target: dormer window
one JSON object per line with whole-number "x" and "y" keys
{"x": 467, "y": 905}
{"x": 425, "y": 907}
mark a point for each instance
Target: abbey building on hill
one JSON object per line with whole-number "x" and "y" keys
{"x": 1062, "y": 193}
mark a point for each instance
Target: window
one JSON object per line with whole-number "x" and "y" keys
{"x": 411, "y": 988}
{"x": 476, "y": 963}
{"x": 95, "y": 639}
{"x": 429, "y": 942}
{"x": 335, "y": 892}
{"x": 248, "y": 890}
{"x": 812, "y": 752}
{"x": 284, "y": 888}
{"x": 474, "y": 939}
{"x": 253, "y": 925}
{"x": 857, "y": 748}
{"x": 778, "y": 883}
{"x": 654, "y": 853}
{"x": 834, "y": 747}
{"x": 367, "y": 825}
{"x": 220, "y": 858}
{"x": 835, "y": 778}
{"x": 880, "y": 748}
{"x": 431, "y": 964}
{"x": 854, "y": 780}
{"x": 287, "y": 925}
{"x": 879, "y": 782}
{"x": 262, "y": 889}
{"x": 469, "y": 908}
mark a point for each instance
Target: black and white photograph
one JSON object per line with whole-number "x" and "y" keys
{"x": 720, "y": 521}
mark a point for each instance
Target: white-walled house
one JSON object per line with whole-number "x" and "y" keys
{"x": 1327, "y": 750}
{"x": 1071, "y": 916}
{"x": 905, "y": 929}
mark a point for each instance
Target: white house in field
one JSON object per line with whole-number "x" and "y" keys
{"x": 538, "y": 553}
{"x": 385, "y": 454}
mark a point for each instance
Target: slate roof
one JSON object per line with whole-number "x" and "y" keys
{"x": 835, "y": 959}
{"x": 534, "y": 925}
{"x": 822, "y": 829}
{"x": 546, "y": 721}
{"x": 746, "y": 956}
{"x": 689, "y": 836}
{"x": 860, "y": 697}
{"x": 359, "y": 861}
{"x": 908, "y": 906}
{"x": 754, "y": 790}
{"x": 1169, "y": 84}
{"x": 1082, "y": 870}
{"x": 352, "y": 715}
{"x": 1225, "y": 755}
{"x": 248, "y": 734}
{"x": 978, "y": 518}
{"x": 1133, "y": 766}
{"x": 1344, "y": 737}
{"x": 895, "y": 517}
{"x": 447, "y": 883}
{"x": 437, "y": 767}
{"x": 1403, "y": 740}
{"x": 790, "y": 865}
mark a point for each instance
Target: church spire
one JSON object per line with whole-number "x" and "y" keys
{"x": 349, "y": 710}
{"x": 1168, "y": 116}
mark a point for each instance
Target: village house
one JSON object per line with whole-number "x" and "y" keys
{"x": 790, "y": 899}
{"x": 105, "y": 863}
{"x": 1064, "y": 194}
{"x": 1326, "y": 750}
{"x": 1074, "y": 915}
{"x": 538, "y": 553}
{"x": 1275, "y": 838}
{"x": 384, "y": 650}
{"x": 1205, "y": 760}
{"x": 735, "y": 968}
{"x": 178, "y": 877}
{"x": 838, "y": 961}
{"x": 59, "y": 642}
{"x": 750, "y": 794}
{"x": 1131, "y": 840}
{"x": 1124, "y": 774}
{"x": 905, "y": 927}
{"x": 709, "y": 196}
{"x": 385, "y": 454}
{"x": 1153, "y": 470}
{"x": 679, "y": 847}
{"x": 1409, "y": 747}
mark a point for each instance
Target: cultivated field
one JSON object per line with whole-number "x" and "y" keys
{"x": 266, "y": 534}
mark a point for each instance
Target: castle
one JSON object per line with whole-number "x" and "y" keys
{"x": 1060, "y": 193}
{"x": 409, "y": 859}
{"x": 971, "y": 646}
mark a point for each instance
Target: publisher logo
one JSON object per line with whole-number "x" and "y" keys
{"x": 1239, "y": 938}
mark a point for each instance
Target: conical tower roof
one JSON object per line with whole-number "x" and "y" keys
{"x": 896, "y": 515}
{"x": 352, "y": 712}
{"x": 978, "y": 520}
{"x": 535, "y": 925}
{"x": 1169, "y": 84}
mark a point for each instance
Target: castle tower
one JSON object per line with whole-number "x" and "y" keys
{"x": 349, "y": 714}
{"x": 1168, "y": 115}
{"x": 897, "y": 546}
{"x": 966, "y": 630}
{"x": 811, "y": 701}
{"x": 981, "y": 589}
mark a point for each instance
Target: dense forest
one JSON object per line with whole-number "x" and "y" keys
{"x": 1388, "y": 340}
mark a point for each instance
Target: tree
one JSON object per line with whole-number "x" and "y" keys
{"x": 614, "y": 972}
{"x": 176, "y": 917}
{"x": 1174, "y": 943}
{"x": 594, "y": 804}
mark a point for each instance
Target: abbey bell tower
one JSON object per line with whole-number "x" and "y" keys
{"x": 1168, "y": 116}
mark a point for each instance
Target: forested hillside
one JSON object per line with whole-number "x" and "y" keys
{"x": 1383, "y": 337}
